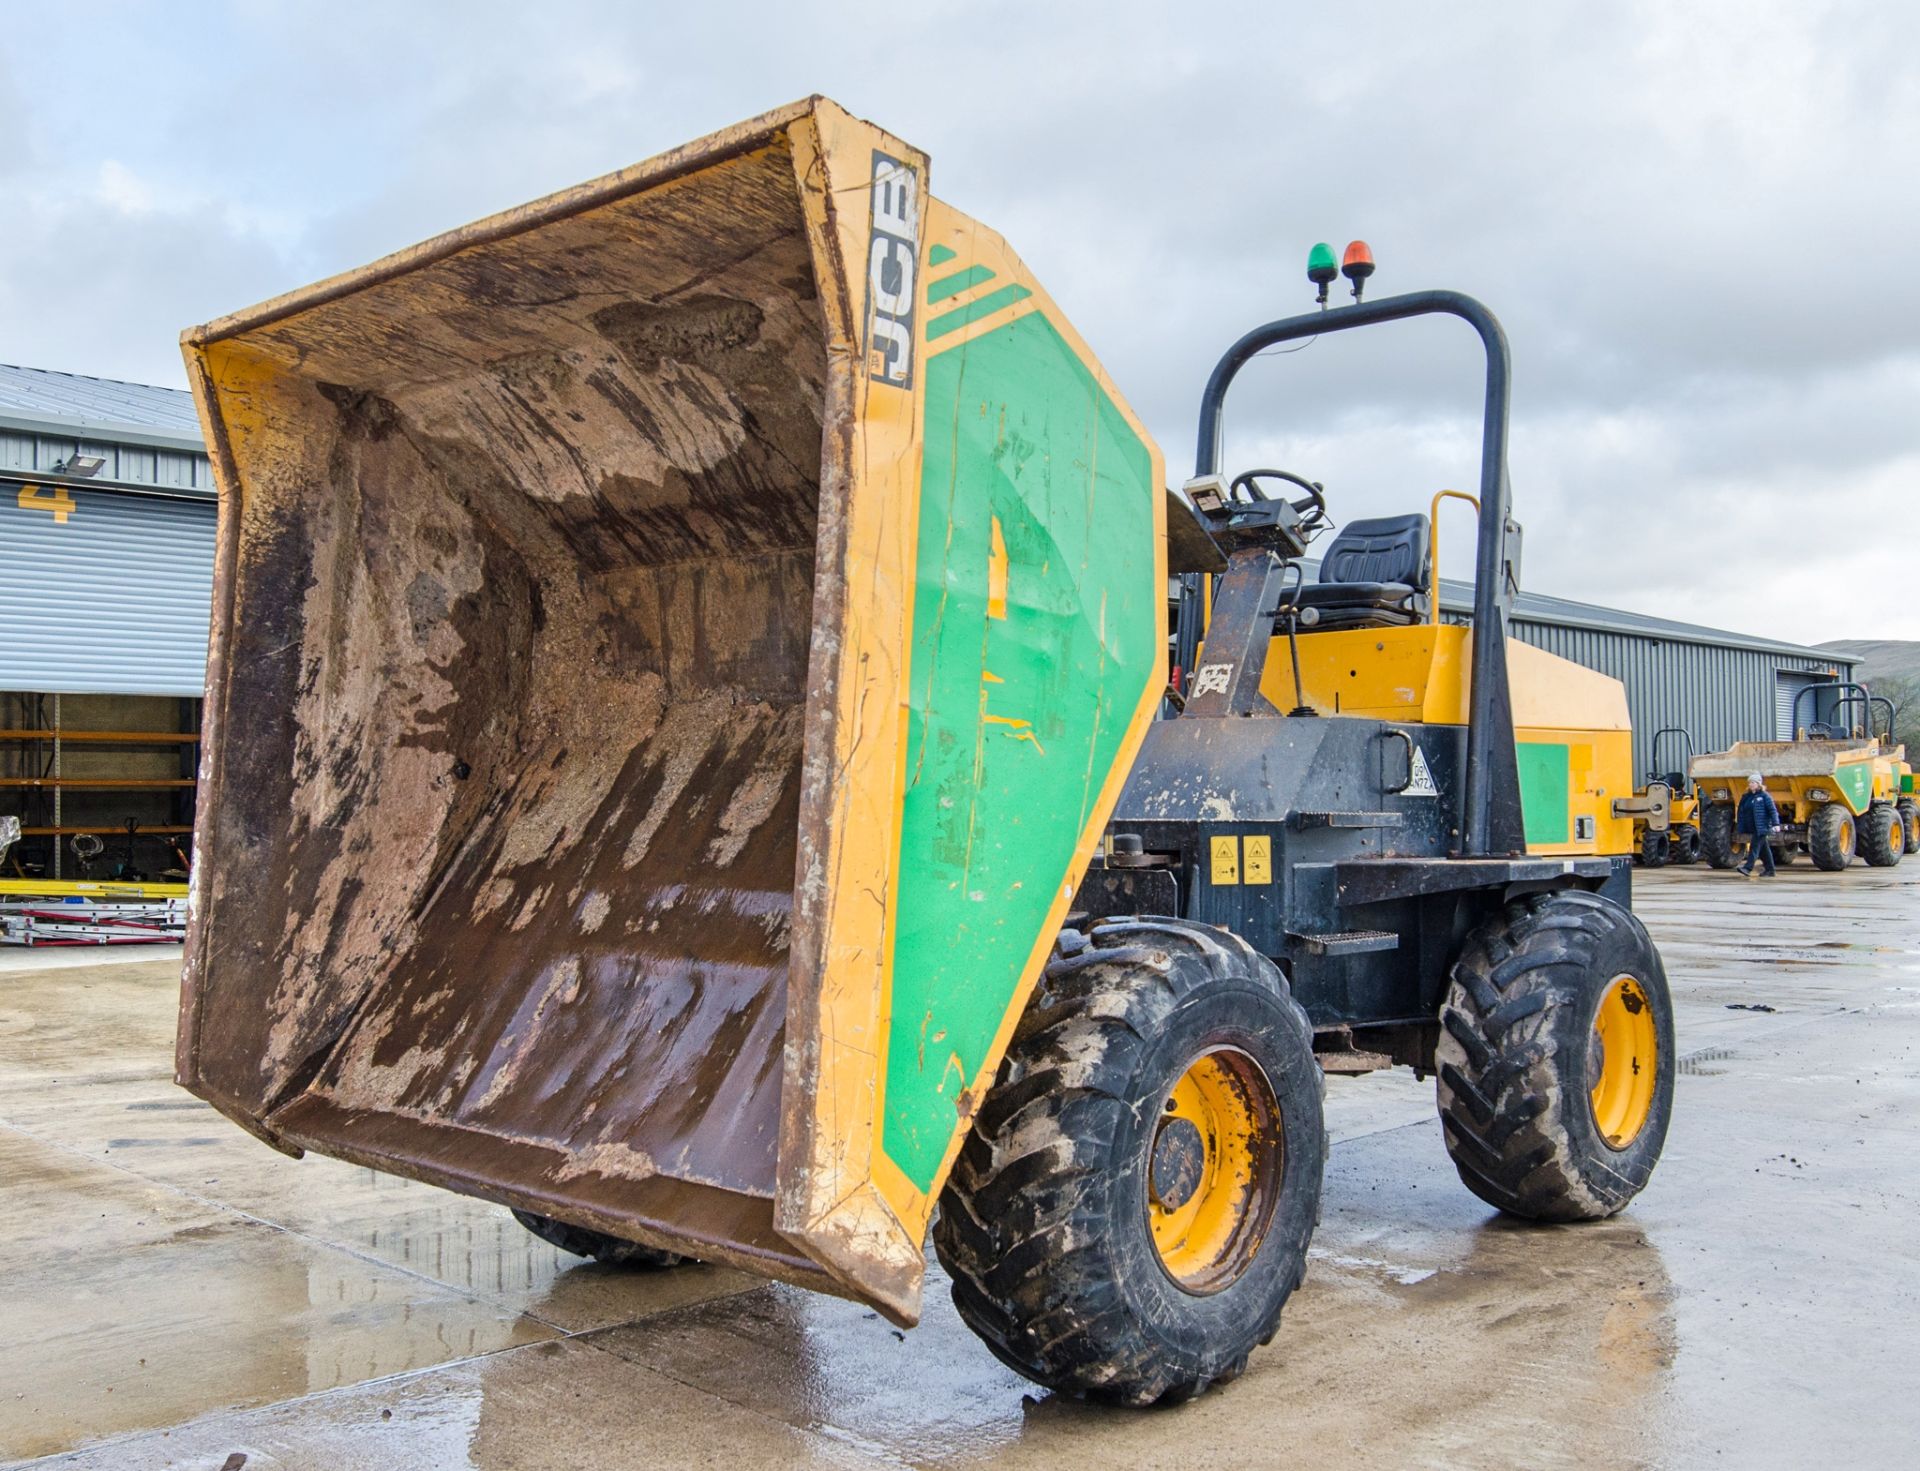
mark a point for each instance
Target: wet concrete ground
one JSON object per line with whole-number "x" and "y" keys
{"x": 173, "y": 1294}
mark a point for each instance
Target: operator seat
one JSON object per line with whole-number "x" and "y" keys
{"x": 1375, "y": 575}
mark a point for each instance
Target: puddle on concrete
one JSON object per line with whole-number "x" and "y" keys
{"x": 130, "y": 1306}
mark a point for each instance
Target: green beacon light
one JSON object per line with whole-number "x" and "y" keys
{"x": 1322, "y": 269}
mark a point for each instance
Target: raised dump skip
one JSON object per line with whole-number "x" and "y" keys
{"x": 634, "y": 614}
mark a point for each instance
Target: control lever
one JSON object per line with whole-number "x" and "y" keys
{"x": 1292, "y": 615}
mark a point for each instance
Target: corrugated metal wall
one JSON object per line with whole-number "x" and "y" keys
{"x": 111, "y": 598}
{"x": 22, "y": 453}
{"x": 1720, "y": 694}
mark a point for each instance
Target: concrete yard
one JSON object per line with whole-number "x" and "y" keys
{"x": 178, "y": 1295}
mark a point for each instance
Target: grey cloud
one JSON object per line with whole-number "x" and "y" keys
{"x": 1693, "y": 220}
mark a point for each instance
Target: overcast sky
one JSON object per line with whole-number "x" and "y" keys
{"x": 1698, "y": 222}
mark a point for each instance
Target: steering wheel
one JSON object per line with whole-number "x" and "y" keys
{"x": 1311, "y": 508}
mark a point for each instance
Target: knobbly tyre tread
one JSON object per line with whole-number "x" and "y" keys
{"x": 1880, "y": 837}
{"x": 1826, "y": 838}
{"x": 611, "y": 1250}
{"x": 1716, "y": 836}
{"x": 1655, "y": 849}
{"x": 1027, "y": 1228}
{"x": 1517, "y": 1021}
{"x": 1910, "y": 820}
{"x": 1683, "y": 844}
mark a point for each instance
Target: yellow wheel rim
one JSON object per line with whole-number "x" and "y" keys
{"x": 1213, "y": 1170}
{"x": 1629, "y": 1050}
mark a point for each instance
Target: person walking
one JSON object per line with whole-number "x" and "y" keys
{"x": 1759, "y": 818}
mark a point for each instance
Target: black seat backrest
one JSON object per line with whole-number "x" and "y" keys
{"x": 1385, "y": 549}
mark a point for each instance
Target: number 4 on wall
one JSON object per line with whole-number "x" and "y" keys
{"x": 56, "y": 500}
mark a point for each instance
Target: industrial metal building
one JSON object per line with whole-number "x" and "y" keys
{"x": 106, "y": 564}
{"x": 106, "y": 571}
{"x": 1720, "y": 687}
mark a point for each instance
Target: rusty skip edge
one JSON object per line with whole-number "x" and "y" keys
{"x": 885, "y": 1268}
{"x": 689, "y": 158}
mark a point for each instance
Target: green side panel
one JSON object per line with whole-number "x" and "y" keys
{"x": 1906, "y": 783}
{"x": 973, "y": 311}
{"x": 1855, "y": 780}
{"x": 959, "y": 281}
{"x": 1015, "y": 720}
{"x": 1544, "y": 790}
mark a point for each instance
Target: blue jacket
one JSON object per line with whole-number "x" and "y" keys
{"x": 1758, "y": 814}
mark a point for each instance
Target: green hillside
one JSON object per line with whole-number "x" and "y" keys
{"x": 1881, "y": 658}
{"x": 1890, "y": 667}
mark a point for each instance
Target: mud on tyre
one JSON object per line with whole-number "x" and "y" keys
{"x": 1133, "y": 1204}
{"x": 1555, "y": 1063}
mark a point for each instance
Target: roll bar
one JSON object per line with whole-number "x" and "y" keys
{"x": 1490, "y": 817}
{"x": 1848, "y": 694}
{"x": 1686, "y": 761}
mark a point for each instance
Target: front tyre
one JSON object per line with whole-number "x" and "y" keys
{"x": 1832, "y": 836}
{"x": 1655, "y": 848}
{"x": 1132, "y": 1207}
{"x": 1910, "y": 825}
{"x": 1555, "y": 1063}
{"x": 1684, "y": 844}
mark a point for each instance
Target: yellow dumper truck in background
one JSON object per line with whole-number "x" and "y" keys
{"x": 1842, "y": 784}
{"x": 691, "y": 760}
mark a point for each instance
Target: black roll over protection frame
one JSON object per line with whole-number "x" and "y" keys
{"x": 1491, "y": 822}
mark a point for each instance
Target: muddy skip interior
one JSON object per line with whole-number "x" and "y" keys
{"x": 514, "y": 631}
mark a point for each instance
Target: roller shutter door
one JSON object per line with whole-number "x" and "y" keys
{"x": 103, "y": 592}
{"x": 1786, "y": 689}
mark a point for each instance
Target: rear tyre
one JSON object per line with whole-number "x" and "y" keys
{"x": 1132, "y": 1207}
{"x": 1831, "y": 838}
{"x": 1910, "y": 823}
{"x": 1882, "y": 836}
{"x": 1716, "y": 836}
{"x": 597, "y": 1244}
{"x": 1654, "y": 849}
{"x": 1783, "y": 851}
{"x": 1555, "y": 1063}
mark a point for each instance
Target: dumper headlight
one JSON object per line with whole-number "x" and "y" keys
{"x": 1819, "y": 794}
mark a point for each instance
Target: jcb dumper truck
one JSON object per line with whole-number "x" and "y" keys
{"x": 691, "y": 760}
{"x": 1842, "y": 784}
